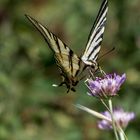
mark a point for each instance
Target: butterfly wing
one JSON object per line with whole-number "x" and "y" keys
{"x": 96, "y": 36}
{"x": 67, "y": 61}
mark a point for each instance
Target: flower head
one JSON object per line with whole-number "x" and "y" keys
{"x": 120, "y": 117}
{"x": 106, "y": 86}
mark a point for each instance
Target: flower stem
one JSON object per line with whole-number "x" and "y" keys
{"x": 105, "y": 104}
{"x": 121, "y": 134}
{"x": 94, "y": 113}
{"x": 113, "y": 121}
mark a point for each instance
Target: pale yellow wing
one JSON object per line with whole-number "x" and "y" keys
{"x": 68, "y": 62}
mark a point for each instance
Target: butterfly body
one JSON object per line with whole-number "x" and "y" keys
{"x": 71, "y": 73}
{"x": 70, "y": 65}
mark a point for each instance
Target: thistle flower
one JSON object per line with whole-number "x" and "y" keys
{"x": 106, "y": 86}
{"x": 121, "y": 118}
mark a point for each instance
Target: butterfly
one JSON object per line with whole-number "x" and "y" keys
{"x": 70, "y": 65}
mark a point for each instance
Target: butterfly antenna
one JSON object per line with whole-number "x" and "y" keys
{"x": 106, "y": 53}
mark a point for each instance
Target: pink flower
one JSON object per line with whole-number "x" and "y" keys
{"x": 121, "y": 118}
{"x": 107, "y": 86}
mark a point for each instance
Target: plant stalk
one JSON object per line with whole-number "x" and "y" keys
{"x": 113, "y": 121}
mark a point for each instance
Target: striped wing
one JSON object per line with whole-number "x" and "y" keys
{"x": 96, "y": 36}
{"x": 67, "y": 61}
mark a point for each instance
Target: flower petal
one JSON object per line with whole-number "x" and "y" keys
{"x": 107, "y": 86}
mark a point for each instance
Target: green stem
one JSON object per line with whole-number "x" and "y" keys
{"x": 113, "y": 121}
{"x": 103, "y": 102}
{"x": 121, "y": 134}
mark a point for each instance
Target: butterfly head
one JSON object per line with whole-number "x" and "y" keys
{"x": 92, "y": 64}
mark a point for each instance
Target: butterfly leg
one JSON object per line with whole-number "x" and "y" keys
{"x": 100, "y": 69}
{"x": 61, "y": 84}
{"x": 73, "y": 89}
{"x": 91, "y": 73}
{"x": 81, "y": 78}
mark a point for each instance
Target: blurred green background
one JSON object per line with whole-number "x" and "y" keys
{"x": 30, "y": 108}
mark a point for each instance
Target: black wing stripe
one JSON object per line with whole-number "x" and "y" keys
{"x": 96, "y": 35}
{"x": 70, "y": 60}
{"x": 98, "y": 43}
{"x": 103, "y": 6}
{"x": 48, "y": 36}
{"x": 94, "y": 51}
{"x": 99, "y": 30}
{"x": 58, "y": 46}
{"x": 101, "y": 12}
{"x": 79, "y": 64}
